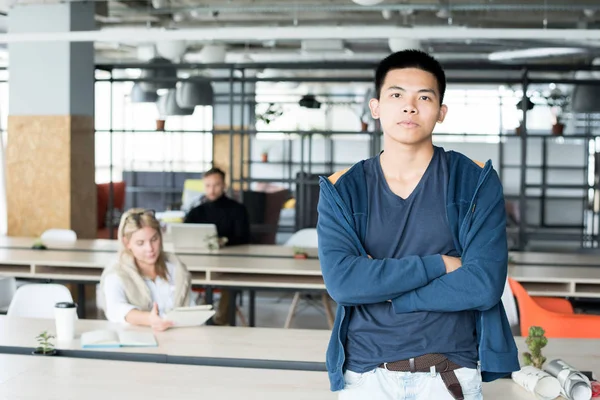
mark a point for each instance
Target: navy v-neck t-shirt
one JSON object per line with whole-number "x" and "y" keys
{"x": 396, "y": 228}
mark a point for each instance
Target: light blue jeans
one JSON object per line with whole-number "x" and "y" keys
{"x": 381, "y": 384}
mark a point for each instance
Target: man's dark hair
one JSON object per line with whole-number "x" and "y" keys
{"x": 215, "y": 171}
{"x": 410, "y": 59}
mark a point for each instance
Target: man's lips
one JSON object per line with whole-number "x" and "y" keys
{"x": 408, "y": 124}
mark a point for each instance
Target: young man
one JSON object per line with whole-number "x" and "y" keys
{"x": 230, "y": 218}
{"x": 412, "y": 245}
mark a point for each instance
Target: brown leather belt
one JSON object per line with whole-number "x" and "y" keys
{"x": 442, "y": 365}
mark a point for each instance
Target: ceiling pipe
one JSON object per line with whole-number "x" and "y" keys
{"x": 259, "y": 34}
{"x": 279, "y": 7}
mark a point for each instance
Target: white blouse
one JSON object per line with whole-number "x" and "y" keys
{"x": 162, "y": 293}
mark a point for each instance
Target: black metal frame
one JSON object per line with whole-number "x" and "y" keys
{"x": 525, "y": 75}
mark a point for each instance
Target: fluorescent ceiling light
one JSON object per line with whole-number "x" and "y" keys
{"x": 536, "y": 52}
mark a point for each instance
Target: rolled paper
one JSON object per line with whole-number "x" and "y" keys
{"x": 574, "y": 384}
{"x": 538, "y": 382}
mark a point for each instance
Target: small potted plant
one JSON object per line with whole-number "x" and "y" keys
{"x": 300, "y": 253}
{"x": 45, "y": 346}
{"x": 264, "y": 155}
{"x": 535, "y": 342}
{"x": 212, "y": 241}
{"x": 38, "y": 245}
{"x": 558, "y": 102}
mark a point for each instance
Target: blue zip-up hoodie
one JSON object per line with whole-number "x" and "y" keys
{"x": 477, "y": 218}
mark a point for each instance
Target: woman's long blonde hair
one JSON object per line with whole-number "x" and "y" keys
{"x": 134, "y": 220}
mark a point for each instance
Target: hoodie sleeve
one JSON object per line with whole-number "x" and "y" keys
{"x": 351, "y": 277}
{"x": 478, "y": 284}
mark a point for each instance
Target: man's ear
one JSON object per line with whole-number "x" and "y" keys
{"x": 442, "y": 114}
{"x": 374, "y": 107}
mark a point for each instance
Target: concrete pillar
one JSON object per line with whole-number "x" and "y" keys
{"x": 50, "y": 149}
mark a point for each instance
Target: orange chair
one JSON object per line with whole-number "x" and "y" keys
{"x": 555, "y": 315}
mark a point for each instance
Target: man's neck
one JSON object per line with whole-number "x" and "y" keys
{"x": 400, "y": 161}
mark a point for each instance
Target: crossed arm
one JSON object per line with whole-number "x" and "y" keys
{"x": 431, "y": 283}
{"x": 353, "y": 278}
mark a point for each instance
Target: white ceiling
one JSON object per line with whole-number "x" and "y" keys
{"x": 272, "y": 30}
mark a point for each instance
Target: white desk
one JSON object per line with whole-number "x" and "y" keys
{"x": 112, "y": 246}
{"x": 252, "y": 343}
{"x": 59, "y": 378}
{"x": 244, "y": 343}
{"x": 283, "y": 273}
{"x": 558, "y": 281}
{"x": 555, "y": 259}
{"x": 220, "y": 344}
{"x": 268, "y": 272}
{"x": 24, "y": 377}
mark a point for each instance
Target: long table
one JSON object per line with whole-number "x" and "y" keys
{"x": 27, "y": 377}
{"x": 76, "y": 375}
{"x": 228, "y": 346}
{"x": 112, "y": 246}
{"x": 206, "y": 345}
{"x": 553, "y": 275}
{"x": 208, "y": 271}
{"x": 71, "y": 379}
{"x": 274, "y": 273}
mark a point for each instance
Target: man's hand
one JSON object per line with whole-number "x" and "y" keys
{"x": 451, "y": 263}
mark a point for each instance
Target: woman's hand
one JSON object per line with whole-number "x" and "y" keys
{"x": 156, "y": 322}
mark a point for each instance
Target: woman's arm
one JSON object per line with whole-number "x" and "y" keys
{"x": 148, "y": 318}
{"x": 118, "y": 309}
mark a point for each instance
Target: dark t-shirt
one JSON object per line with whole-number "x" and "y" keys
{"x": 397, "y": 228}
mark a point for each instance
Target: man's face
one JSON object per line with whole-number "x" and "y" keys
{"x": 409, "y": 106}
{"x": 214, "y": 187}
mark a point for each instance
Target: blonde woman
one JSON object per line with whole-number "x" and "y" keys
{"x": 145, "y": 282}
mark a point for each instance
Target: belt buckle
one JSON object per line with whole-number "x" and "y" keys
{"x": 411, "y": 365}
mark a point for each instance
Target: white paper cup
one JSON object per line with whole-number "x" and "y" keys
{"x": 65, "y": 315}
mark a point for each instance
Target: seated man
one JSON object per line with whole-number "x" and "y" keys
{"x": 230, "y": 218}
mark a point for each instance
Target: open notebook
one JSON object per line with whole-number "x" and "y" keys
{"x": 190, "y": 316}
{"x": 104, "y": 339}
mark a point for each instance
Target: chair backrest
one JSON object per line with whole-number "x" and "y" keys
{"x": 8, "y": 288}
{"x": 59, "y": 235}
{"x": 193, "y": 189}
{"x": 38, "y": 300}
{"x": 510, "y": 306}
{"x": 103, "y": 192}
{"x": 304, "y": 238}
{"x": 528, "y": 308}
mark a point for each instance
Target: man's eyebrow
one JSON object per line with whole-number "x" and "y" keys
{"x": 395, "y": 87}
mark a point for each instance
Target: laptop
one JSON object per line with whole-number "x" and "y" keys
{"x": 191, "y": 236}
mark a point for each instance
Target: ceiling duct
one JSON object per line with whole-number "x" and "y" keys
{"x": 367, "y": 2}
{"x": 171, "y": 49}
{"x": 399, "y": 44}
